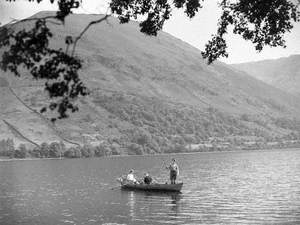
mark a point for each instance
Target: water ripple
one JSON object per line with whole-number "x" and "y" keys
{"x": 220, "y": 188}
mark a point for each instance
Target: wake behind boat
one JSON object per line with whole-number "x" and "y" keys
{"x": 150, "y": 187}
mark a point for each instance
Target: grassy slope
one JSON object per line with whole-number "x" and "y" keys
{"x": 283, "y": 73}
{"x": 27, "y": 122}
{"x": 159, "y": 86}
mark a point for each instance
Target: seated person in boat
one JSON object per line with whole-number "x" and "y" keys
{"x": 147, "y": 178}
{"x": 131, "y": 177}
{"x": 174, "y": 171}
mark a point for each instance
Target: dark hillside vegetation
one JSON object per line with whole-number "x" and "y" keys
{"x": 147, "y": 95}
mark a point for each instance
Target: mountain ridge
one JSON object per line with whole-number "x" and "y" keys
{"x": 159, "y": 86}
{"x": 283, "y": 73}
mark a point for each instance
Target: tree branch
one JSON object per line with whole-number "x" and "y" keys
{"x": 51, "y": 125}
{"x": 85, "y": 29}
{"x": 32, "y": 19}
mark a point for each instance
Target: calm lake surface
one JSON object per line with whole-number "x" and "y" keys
{"x": 259, "y": 187}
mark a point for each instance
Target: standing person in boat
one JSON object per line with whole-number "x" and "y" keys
{"x": 131, "y": 177}
{"x": 174, "y": 171}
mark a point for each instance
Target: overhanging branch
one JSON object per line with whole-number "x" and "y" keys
{"x": 85, "y": 29}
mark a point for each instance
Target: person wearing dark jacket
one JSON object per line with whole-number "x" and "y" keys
{"x": 147, "y": 178}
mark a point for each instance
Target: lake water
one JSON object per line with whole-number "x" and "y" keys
{"x": 259, "y": 187}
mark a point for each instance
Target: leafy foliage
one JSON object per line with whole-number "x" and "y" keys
{"x": 21, "y": 152}
{"x": 7, "y": 148}
{"x": 30, "y": 49}
{"x": 54, "y": 150}
{"x": 72, "y": 153}
{"x": 157, "y": 126}
{"x": 259, "y": 21}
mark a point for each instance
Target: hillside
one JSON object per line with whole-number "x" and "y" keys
{"x": 149, "y": 94}
{"x": 283, "y": 73}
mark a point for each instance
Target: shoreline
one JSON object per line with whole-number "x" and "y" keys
{"x": 4, "y": 159}
{"x": 200, "y": 152}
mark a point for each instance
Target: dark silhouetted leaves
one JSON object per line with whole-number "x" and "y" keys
{"x": 217, "y": 46}
{"x": 259, "y": 21}
{"x": 65, "y": 8}
{"x": 156, "y": 12}
{"x": 30, "y": 49}
{"x": 69, "y": 40}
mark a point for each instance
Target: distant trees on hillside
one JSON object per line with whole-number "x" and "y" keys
{"x": 139, "y": 141}
{"x": 55, "y": 150}
{"x": 264, "y": 23}
{"x": 158, "y": 126}
{"x": 7, "y": 147}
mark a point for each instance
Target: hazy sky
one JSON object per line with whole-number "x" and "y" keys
{"x": 195, "y": 31}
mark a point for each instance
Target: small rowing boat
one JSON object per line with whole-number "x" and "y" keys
{"x": 151, "y": 187}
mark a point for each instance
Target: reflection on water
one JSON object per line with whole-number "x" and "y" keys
{"x": 260, "y": 187}
{"x": 175, "y": 203}
{"x": 131, "y": 202}
{"x": 142, "y": 204}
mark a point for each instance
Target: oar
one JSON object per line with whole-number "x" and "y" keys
{"x": 164, "y": 164}
{"x": 113, "y": 188}
{"x": 119, "y": 180}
